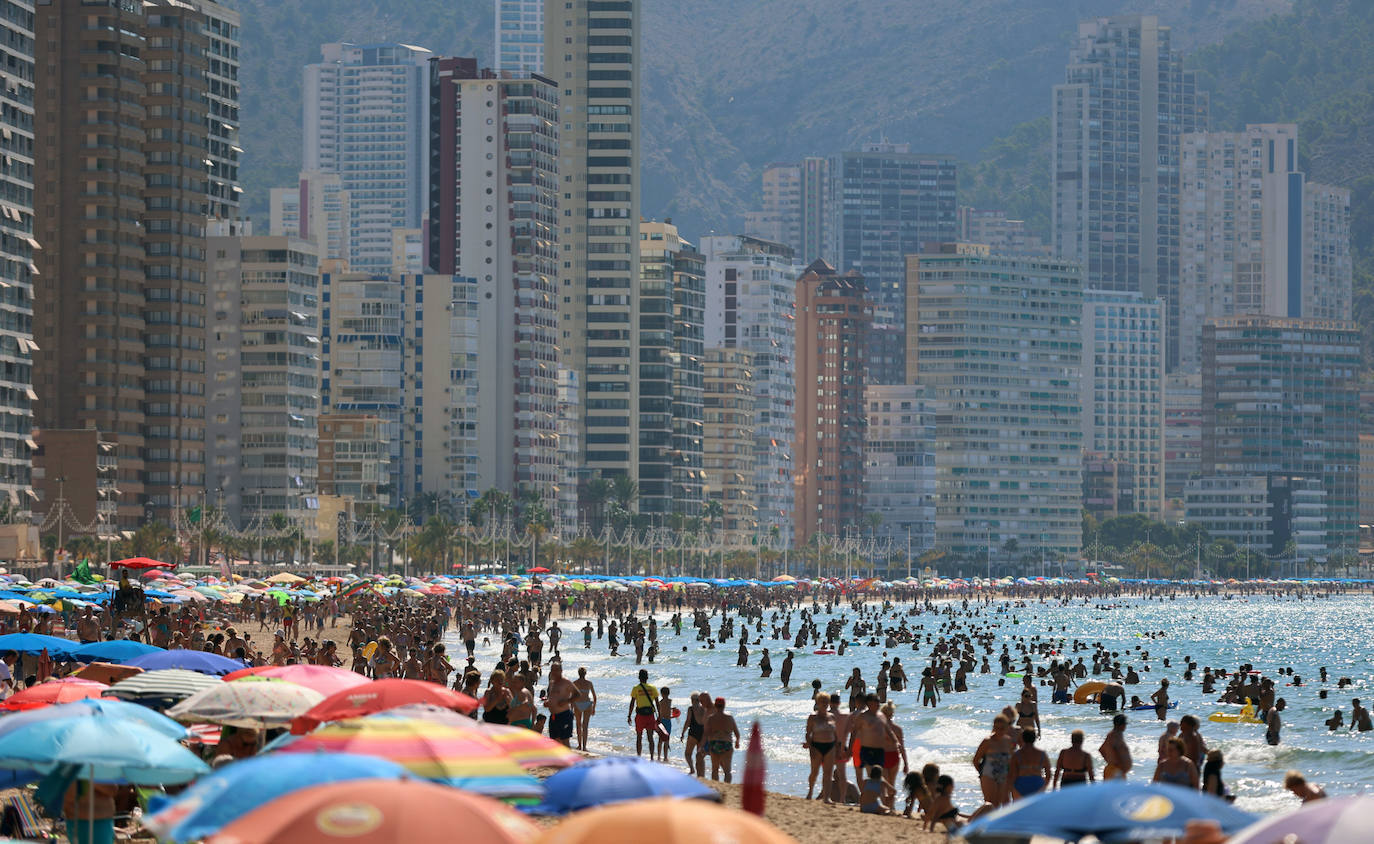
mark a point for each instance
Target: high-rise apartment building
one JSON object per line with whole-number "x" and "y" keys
{"x": 899, "y": 466}
{"x": 319, "y": 210}
{"x": 591, "y": 51}
{"x": 672, "y": 301}
{"x": 1117, "y": 119}
{"x": 520, "y": 36}
{"x": 728, "y": 449}
{"x": 751, "y": 305}
{"x": 1003, "y": 235}
{"x": 1182, "y": 434}
{"x": 354, "y": 458}
{"x": 834, "y": 315}
{"x": 1122, "y": 389}
{"x": 1280, "y": 396}
{"x": 1257, "y": 237}
{"x": 886, "y": 203}
{"x": 493, "y": 216}
{"x": 17, "y": 246}
{"x": 569, "y": 452}
{"x": 263, "y": 373}
{"x": 366, "y": 110}
{"x": 795, "y": 208}
{"x": 122, "y": 314}
{"x": 997, "y": 345}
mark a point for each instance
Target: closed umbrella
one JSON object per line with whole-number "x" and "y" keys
{"x": 53, "y": 691}
{"x": 1111, "y": 811}
{"x": 260, "y": 705}
{"x": 201, "y": 661}
{"x": 428, "y": 750}
{"x": 236, "y": 789}
{"x": 381, "y": 695}
{"x": 614, "y": 779}
{"x": 379, "y": 810}
{"x": 664, "y": 821}
{"x": 164, "y": 687}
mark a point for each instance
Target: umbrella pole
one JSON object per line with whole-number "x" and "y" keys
{"x": 90, "y": 816}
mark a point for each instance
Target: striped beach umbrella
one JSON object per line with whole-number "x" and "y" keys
{"x": 436, "y": 752}
{"x": 165, "y": 687}
{"x": 263, "y": 704}
{"x": 528, "y": 748}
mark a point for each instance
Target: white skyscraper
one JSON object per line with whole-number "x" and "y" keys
{"x": 366, "y": 113}
{"x": 1256, "y": 237}
{"x": 520, "y": 36}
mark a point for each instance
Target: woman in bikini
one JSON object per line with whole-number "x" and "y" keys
{"x": 821, "y": 737}
{"x": 992, "y": 761}
{"x": 1175, "y": 768}
{"x": 1074, "y": 765}
{"x": 1030, "y": 768}
{"x": 522, "y": 710}
{"x": 1027, "y": 713}
{"x": 497, "y": 701}
{"x": 942, "y": 808}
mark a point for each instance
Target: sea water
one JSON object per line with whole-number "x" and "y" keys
{"x": 1337, "y": 633}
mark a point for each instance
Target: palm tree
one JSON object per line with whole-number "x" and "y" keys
{"x": 595, "y": 494}
{"x": 584, "y": 550}
{"x": 625, "y": 492}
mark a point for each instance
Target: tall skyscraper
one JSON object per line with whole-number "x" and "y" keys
{"x": 886, "y": 203}
{"x": 728, "y": 450}
{"x": 1122, "y": 390}
{"x": 592, "y": 53}
{"x": 997, "y": 345}
{"x": 17, "y": 245}
{"x": 751, "y": 305}
{"x": 366, "y": 110}
{"x": 222, "y": 23}
{"x": 493, "y": 217}
{"x": 121, "y": 315}
{"x": 1117, "y": 120}
{"x": 834, "y": 314}
{"x": 671, "y": 309}
{"x": 1257, "y": 237}
{"x": 264, "y": 374}
{"x": 1280, "y": 397}
{"x": 520, "y": 36}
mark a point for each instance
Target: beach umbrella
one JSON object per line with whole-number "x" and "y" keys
{"x": 44, "y": 694}
{"x": 116, "y": 651}
{"x": 377, "y": 696}
{"x": 115, "y": 709}
{"x": 102, "y": 748}
{"x": 230, "y": 792}
{"x": 1337, "y": 820}
{"x": 325, "y": 679}
{"x": 105, "y": 672}
{"x": 285, "y": 578}
{"x": 141, "y": 563}
{"x": 34, "y": 643}
{"x": 203, "y": 662}
{"x": 664, "y": 821}
{"x": 528, "y": 748}
{"x": 261, "y": 705}
{"x": 614, "y": 779}
{"x": 165, "y": 686}
{"x": 1111, "y": 811}
{"x": 379, "y": 810}
{"x": 538, "y": 570}
{"x": 428, "y": 750}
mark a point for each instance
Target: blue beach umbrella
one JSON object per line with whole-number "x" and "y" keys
{"x": 1111, "y": 811}
{"x": 200, "y": 661}
{"x": 615, "y": 779}
{"x": 240, "y": 787}
{"x": 117, "y": 651}
{"x": 100, "y": 748}
{"x": 114, "y": 709}
{"x": 32, "y": 643}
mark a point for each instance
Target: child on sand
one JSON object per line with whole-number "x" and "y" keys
{"x": 871, "y": 801}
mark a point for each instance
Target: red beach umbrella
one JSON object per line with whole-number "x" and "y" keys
{"x": 378, "y": 696}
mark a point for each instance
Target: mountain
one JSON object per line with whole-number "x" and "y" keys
{"x": 731, "y": 86}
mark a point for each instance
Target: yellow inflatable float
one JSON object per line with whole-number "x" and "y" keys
{"x": 1246, "y": 716}
{"x": 1087, "y": 690}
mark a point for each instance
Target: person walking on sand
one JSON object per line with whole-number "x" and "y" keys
{"x": 822, "y": 738}
{"x": 1116, "y": 756}
{"x": 643, "y": 713}
{"x": 720, "y": 730}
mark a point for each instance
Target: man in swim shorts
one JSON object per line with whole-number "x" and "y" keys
{"x": 719, "y": 732}
{"x": 1115, "y": 753}
{"x": 559, "y": 699}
